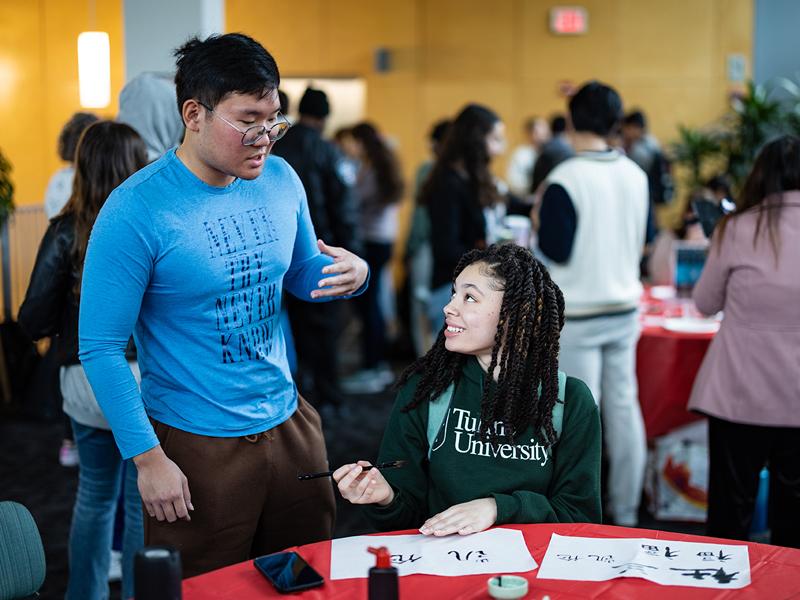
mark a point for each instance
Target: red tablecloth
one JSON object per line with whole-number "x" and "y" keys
{"x": 666, "y": 365}
{"x": 775, "y": 574}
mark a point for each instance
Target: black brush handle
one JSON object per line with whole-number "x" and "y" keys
{"x": 387, "y": 465}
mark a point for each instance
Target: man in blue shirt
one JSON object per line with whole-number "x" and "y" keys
{"x": 192, "y": 254}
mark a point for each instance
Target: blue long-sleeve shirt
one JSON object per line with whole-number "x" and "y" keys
{"x": 196, "y": 272}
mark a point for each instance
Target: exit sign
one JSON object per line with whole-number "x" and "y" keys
{"x": 569, "y": 20}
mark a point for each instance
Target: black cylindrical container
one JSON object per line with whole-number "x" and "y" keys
{"x": 157, "y": 573}
{"x": 382, "y": 583}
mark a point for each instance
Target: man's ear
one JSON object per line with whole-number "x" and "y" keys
{"x": 192, "y": 112}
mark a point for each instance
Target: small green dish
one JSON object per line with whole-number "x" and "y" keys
{"x": 507, "y": 587}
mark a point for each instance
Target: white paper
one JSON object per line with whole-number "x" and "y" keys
{"x": 706, "y": 565}
{"x": 493, "y": 551}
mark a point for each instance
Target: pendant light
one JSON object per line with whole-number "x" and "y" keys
{"x": 94, "y": 66}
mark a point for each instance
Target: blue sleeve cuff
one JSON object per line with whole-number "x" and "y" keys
{"x": 129, "y": 450}
{"x": 311, "y": 274}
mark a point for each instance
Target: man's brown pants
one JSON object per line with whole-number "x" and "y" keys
{"x": 246, "y": 495}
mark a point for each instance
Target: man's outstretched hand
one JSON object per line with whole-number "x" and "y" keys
{"x": 344, "y": 277}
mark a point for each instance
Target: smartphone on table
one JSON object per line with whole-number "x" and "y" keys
{"x": 288, "y": 572}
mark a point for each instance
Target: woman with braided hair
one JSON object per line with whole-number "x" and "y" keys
{"x": 521, "y": 445}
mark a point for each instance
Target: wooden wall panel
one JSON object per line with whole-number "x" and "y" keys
{"x": 39, "y": 73}
{"x": 295, "y": 33}
{"x": 356, "y": 30}
{"x": 676, "y": 42}
{"x": 467, "y": 40}
{"x": 25, "y": 229}
{"x": 21, "y": 108}
{"x": 552, "y": 57}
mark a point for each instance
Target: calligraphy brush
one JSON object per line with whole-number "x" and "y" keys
{"x": 392, "y": 464}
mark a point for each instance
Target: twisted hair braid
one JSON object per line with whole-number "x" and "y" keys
{"x": 526, "y": 348}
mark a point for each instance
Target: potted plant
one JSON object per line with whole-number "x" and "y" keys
{"x": 756, "y": 117}
{"x": 6, "y": 190}
{"x": 694, "y": 148}
{"x": 6, "y": 208}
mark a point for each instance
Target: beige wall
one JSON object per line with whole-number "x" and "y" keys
{"x": 665, "y": 57}
{"x": 38, "y": 94}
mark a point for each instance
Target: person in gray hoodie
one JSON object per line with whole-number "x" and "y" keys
{"x": 147, "y": 103}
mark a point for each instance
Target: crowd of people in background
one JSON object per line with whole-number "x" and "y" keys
{"x": 379, "y": 189}
{"x": 577, "y": 205}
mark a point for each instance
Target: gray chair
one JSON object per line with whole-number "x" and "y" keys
{"x": 22, "y": 565}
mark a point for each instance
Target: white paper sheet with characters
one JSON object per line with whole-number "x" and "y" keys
{"x": 494, "y": 551}
{"x": 706, "y": 565}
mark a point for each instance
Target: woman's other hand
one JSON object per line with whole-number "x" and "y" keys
{"x": 463, "y": 519}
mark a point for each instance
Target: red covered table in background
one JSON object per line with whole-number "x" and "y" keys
{"x": 666, "y": 365}
{"x": 775, "y": 574}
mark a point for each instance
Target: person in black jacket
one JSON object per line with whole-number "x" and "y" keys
{"x": 107, "y": 154}
{"x": 456, "y": 193}
{"x": 331, "y": 204}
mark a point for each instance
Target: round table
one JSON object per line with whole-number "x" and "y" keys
{"x": 775, "y": 574}
{"x": 666, "y": 365}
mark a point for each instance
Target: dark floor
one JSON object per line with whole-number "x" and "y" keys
{"x": 30, "y": 474}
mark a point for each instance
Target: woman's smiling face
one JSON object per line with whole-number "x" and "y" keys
{"x": 472, "y": 315}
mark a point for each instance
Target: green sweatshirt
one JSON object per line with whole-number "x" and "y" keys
{"x": 531, "y": 484}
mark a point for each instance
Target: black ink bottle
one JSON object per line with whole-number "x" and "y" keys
{"x": 382, "y": 583}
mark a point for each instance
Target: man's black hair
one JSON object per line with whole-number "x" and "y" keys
{"x": 635, "y": 118}
{"x": 210, "y": 69}
{"x": 558, "y": 124}
{"x": 596, "y": 108}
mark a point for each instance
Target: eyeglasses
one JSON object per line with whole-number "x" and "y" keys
{"x": 252, "y": 135}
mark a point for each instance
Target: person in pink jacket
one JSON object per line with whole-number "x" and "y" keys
{"x": 749, "y": 383}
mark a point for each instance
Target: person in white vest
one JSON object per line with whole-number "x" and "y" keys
{"x": 593, "y": 220}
